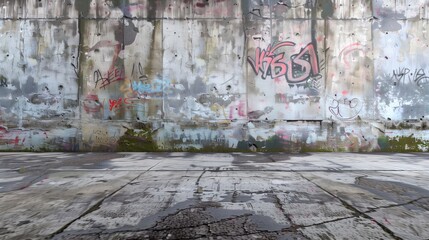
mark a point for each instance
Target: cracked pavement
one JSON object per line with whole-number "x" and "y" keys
{"x": 214, "y": 196}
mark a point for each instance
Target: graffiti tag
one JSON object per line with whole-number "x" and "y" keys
{"x": 345, "y": 109}
{"x": 418, "y": 76}
{"x": 3, "y": 81}
{"x": 110, "y": 77}
{"x": 91, "y": 104}
{"x": 116, "y": 103}
{"x": 158, "y": 86}
{"x": 298, "y": 68}
{"x": 352, "y": 48}
{"x": 138, "y": 72}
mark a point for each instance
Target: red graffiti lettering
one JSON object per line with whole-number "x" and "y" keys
{"x": 116, "y": 103}
{"x": 113, "y": 103}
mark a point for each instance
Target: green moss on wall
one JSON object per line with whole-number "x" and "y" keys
{"x": 402, "y": 144}
{"x": 138, "y": 140}
{"x": 317, "y": 148}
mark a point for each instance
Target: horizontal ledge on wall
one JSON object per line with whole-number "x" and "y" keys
{"x": 214, "y": 18}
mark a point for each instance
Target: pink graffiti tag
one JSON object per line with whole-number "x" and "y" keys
{"x": 350, "y": 49}
{"x": 269, "y": 63}
{"x": 91, "y": 103}
{"x": 298, "y": 68}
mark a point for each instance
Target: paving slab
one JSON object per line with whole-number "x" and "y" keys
{"x": 351, "y": 228}
{"x": 407, "y": 221}
{"x": 59, "y": 198}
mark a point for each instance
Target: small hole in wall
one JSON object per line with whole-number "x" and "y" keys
{"x": 389, "y": 119}
{"x": 138, "y": 119}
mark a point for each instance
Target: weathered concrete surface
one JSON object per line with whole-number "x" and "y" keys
{"x": 214, "y": 75}
{"x": 214, "y": 196}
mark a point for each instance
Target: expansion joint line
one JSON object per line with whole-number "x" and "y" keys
{"x": 281, "y": 207}
{"x": 97, "y": 205}
{"x": 294, "y": 226}
{"x": 355, "y": 210}
{"x": 397, "y": 205}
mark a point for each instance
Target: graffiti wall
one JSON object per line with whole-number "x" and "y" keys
{"x": 214, "y": 75}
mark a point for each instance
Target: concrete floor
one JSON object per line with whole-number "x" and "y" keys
{"x": 214, "y": 196}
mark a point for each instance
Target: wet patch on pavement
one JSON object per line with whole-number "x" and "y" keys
{"x": 192, "y": 220}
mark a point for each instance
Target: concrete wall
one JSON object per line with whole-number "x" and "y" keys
{"x": 214, "y": 75}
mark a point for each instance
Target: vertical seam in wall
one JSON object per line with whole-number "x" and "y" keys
{"x": 245, "y": 51}
{"x": 271, "y": 21}
{"x": 271, "y": 41}
{"x": 79, "y": 80}
{"x": 325, "y": 52}
{"x": 374, "y": 97}
{"x": 123, "y": 37}
{"x": 161, "y": 25}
